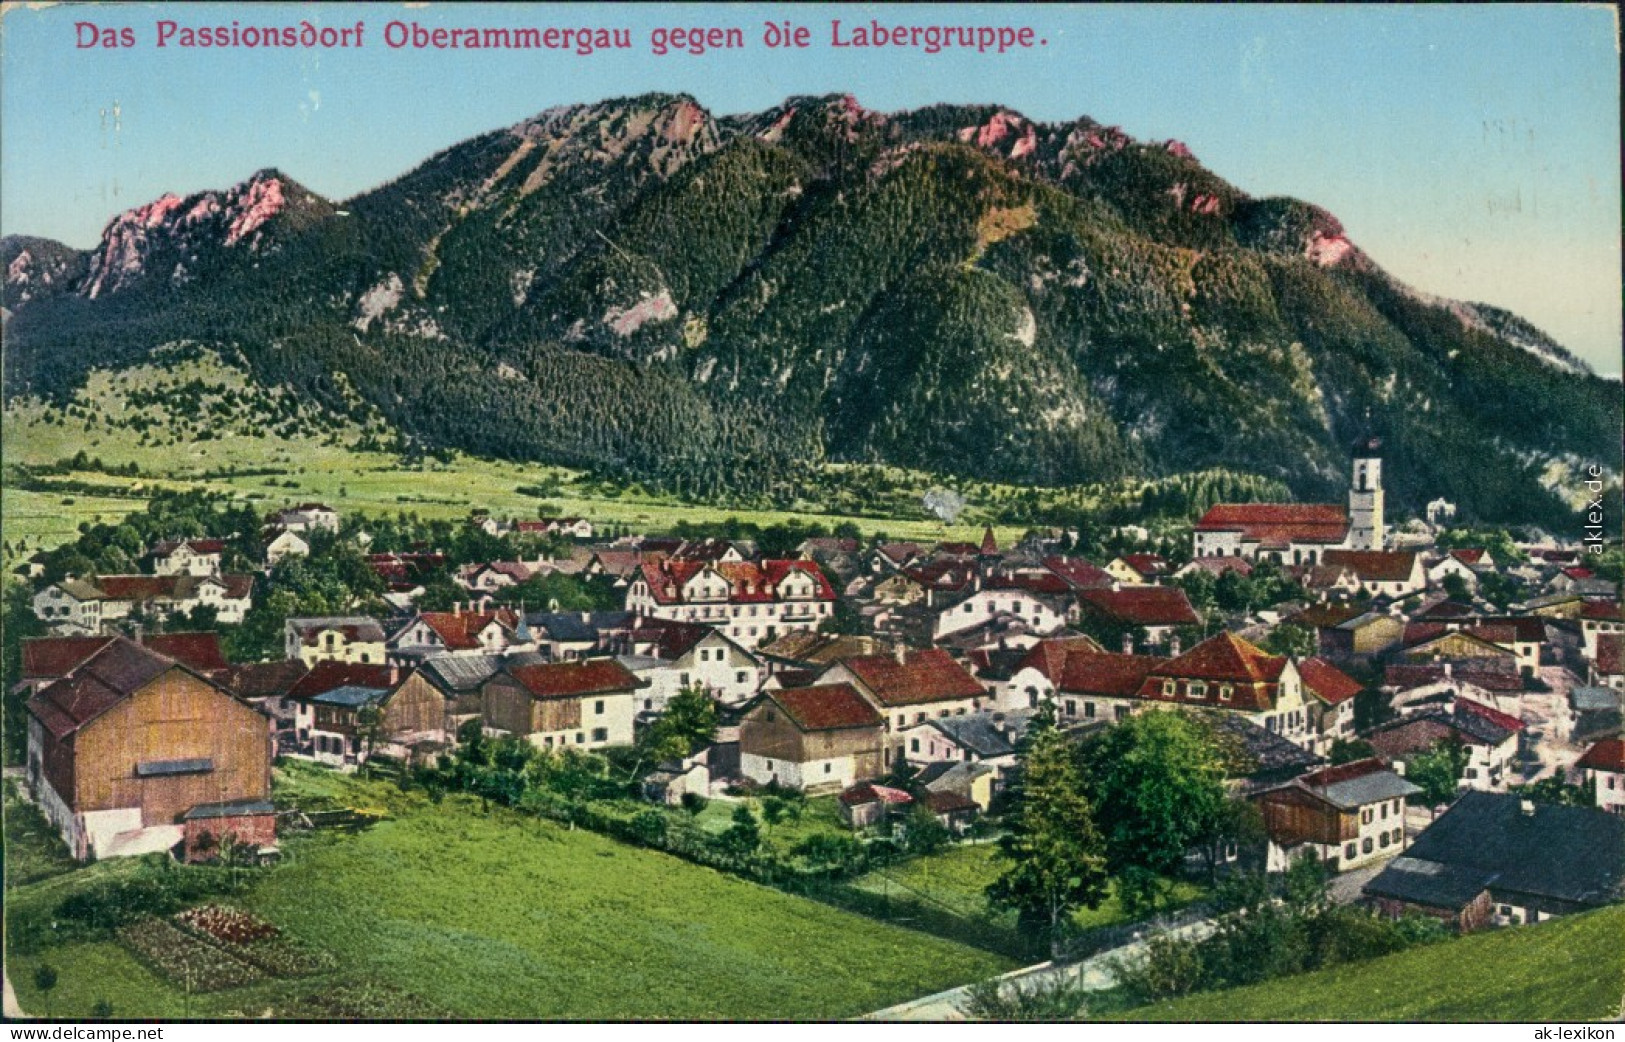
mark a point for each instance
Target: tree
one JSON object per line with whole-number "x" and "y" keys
{"x": 743, "y": 838}
{"x": 1555, "y": 790}
{"x": 1053, "y": 856}
{"x": 45, "y": 982}
{"x": 1157, "y": 784}
{"x": 1055, "y": 997}
{"x": 1292, "y": 640}
{"x": 369, "y": 722}
{"x": 1456, "y": 587}
{"x": 1347, "y": 750}
{"x": 1437, "y": 772}
{"x": 926, "y": 832}
{"x": 102, "y": 1010}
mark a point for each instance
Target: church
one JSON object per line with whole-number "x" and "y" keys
{"x": 1299, "y": 533}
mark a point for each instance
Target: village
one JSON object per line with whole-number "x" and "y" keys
{"x": 1436, "y": 752}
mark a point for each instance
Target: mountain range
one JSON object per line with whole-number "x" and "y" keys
{"x": 709, "y": 304}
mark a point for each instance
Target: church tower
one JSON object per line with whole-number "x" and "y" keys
{"x": 1367, "y": 531}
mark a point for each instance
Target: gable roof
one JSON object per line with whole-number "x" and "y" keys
{"x": 1573, "y": 854}
{"x": 1143, "y": 605}
{"x": 1328, "y": 683}
{"x": 1608, "y": 654}
{"x": 1225, "y": 656}
{"x": 106, "y": 678}
{"x": 1080, "y": 574}
{"x": 869, "y": 792}
{"x": 821, "y": 649}
{"x": 573, "y": 679}
{"x": 1374, "y": 565}
{"x": 930, "y": 675}
{"x": 360, "y": 628}
{"x": 986, "y": 734}
{"x": 1602, "y": 610}
{"x": 327, "y": 676}
{"x": 1606, "y": 755}
{"x": 264, "y": 679}
{"x": 1107, "y": 673}
{"x": 460, "y": 631}
{"x": 52, "y": 657}
{"x": 1278, "y": 525}
{"x": 1325, "y": 614}
{"x": 825, "y": 707}
{"x": 200, "y": 651}
{"x": 1429, "y": 883}
{"x": 1350, "y": 786}
{"x": 165, "y": 547}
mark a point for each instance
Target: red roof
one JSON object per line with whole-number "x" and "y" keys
{"x": 96, "y": 685}
{"x": 931, "y": 675}
{"x": 1144, "y": 605}
{"x": 1604, "y": 610}
{"x": 826, "y": 707}
{"x": 1608, "y": 654}
{"x": 1606, "y": 755}
{"x": 1225, "y": 658}
{"x": 868, "y": 792}
{"x": 52, "y": 657}
{"x": 1405, "y": 676}
{"x": 1330, "y": 684}
{"x": 748, "y": 582}
{"x": 264, "y": 679}
{"x": 1080, "y": 574}
{"x": 202, "y": 546}
{"x": 1049, "y": 656}
{"x": 573, "y": 679}
{"x": 1146, "y": 564}
{"x": 460, "y": 631}
{"x": 1494, "y": 716}
{"x": 1032, "y": 582}
{"x": 1278, "y": 524}
{"x": 326, "y": 676}
{"x": 1468, "y": 555}
{"x": 1107, "y": 673}
{"x": 989, "y": 545}
{"x": 1387, "y": 566}
{"x": 1218, "y": 565}
{"x": 200, "y": 651}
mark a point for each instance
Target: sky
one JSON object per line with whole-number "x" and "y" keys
{"x": 1473, "y": 151}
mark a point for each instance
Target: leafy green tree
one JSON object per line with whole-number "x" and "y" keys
{"x": 1054, "y": 860}
{"x": 1457, "y": 588}
{"x": 45, "y": 983}
{"x": 1157, "y": 784}
{"x": 743, "y": 838}
{"x": 1557, "y": 791}
{"x": 926, "y": 832}
{"x": 1053, "y": 998}
{"x": 1293, "y": 640}
{"x": 1437, "y": 772}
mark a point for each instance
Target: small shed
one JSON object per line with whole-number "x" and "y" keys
{"x": 866, "y": 803}
{"x": 248, "y": 823}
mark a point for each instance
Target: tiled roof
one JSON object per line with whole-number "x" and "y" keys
{"x": 1606, "y": 755}
{"x": 1330, "y": 684}
{"x": 931, "y": 675}
{"x": 165, "y": 547}
{"x": 1049, "y": 656}
{"x": 826, "y": 707}
{"x": 200, "y": 651}
{"x": 100, "y": 682}
{"x": 326, "y": 676}
{"x": 1352, "y": 785}
{"x": 986, "y": 734}
{"x": 1405, "y": 676}
{"x": 1374, "y": 565}
{"x": 1468, "y": 554}
{"x": 1080, "y": 574}
{"x": 52, "y": 657}
{"x": 1218, "y": 565}
{"x": 1503, "y": 721}
{"x": 1608, "y": 654}
{"x": 264, "y": 679}
{"x": 1143, "y": 605}
{"x": 460, "y": 631}
{"x": 1445, "y": 610}
{"x": 1278, "y": 524}
{"x": 574, "y": 679}
{"x": 868, "y": 792}
{"x": 1325, "y": 614}
{"x": 1429, "y": 883}
{"x": 822, "y": 649}
{"x": 748, "y": 582}
{"x": 1107, "y": 674}
{"x": 1226, "y": 656}
{"x": 1603, "y": 610}
{"x": 354, "y": 627}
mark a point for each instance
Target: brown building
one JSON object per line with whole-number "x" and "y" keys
{"x": 588, "y": 704}
{"x": 812, "y": 738}
{"x": 128, "y": 741}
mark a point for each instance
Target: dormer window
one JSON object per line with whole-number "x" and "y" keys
{"x": 1168, "y": 687}
{"x": 1225, "y": 691}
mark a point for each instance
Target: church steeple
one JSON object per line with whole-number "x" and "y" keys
{"x": 1367, "y": 529}
{"x": 990, "y": 546}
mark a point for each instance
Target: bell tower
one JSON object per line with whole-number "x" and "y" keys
{"x": 1367, "y": 530}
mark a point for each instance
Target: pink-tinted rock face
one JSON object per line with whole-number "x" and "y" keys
{"x": 1179, "y": 149}
{"x": 683, "y": 123}
{"x": 262, "y": 201}
{"x": 1003, "y": 127}
{"x": 1327, "y": 250}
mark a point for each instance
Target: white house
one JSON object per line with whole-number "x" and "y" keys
{"x": 1347, "y": 816}
{"x": 1301, "y": 533}
{"x": 750, "y": 603}
{"x": 285, "y": 544}
{"x": 1603, "y": 766}
{"x": 186, "y": 557}
{"x": 678, "y": 655}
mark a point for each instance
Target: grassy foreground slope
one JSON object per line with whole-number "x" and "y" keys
{"x": 1570, "y": 969}
{"x": 506, "y": 917}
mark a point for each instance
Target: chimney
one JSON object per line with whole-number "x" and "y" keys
{"x": 586, "y": 617}
{"x": 1527, "y": 807}
{"x": 394, "y": 674}
{"x": 1173, "y": 646}
{"x": 1128, "y": 643}
{"x": 900, "y": 653}
{"x": 137, "y": 631}
{"x": 456, "y": 607}
{"x": 1447, "y": 667}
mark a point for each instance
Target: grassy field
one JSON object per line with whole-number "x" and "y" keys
{"x": 501, "y": 916}
{"x": 1570, "y": 969}
{"x": 319, "y": 459}
{"x": 957, "y": 880}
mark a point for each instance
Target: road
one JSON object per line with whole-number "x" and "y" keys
{"x": 12, "y": 1010}
{"x": 1094, "y": 973}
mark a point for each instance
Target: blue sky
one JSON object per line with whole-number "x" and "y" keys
{"x": 1472, "y": 150}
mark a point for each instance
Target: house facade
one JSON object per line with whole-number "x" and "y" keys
{"x": 1301, "y": 533}
{"x": 1603, "y": 768}
{"x": 1348, "y": 816}
{"x": 339, "y": 638}
{"x": 585, "y": 705}
{"x": 910, "y": 687}
{"x": 749, "y": 602}
{"x": 820, "y": 738}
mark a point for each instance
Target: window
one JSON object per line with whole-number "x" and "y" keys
{"x": 913, "y": 745}
{"x": 648, "y": 704}
{"x": 1385, "y": 812}
{"x": 771, "y": 716}
{"x": 1382, "y": 840}
{"x": 1365, "y": 845}
{"x": 1225, "y": 691}
{"x": 1168, "y": 689}
{"x": 1471, "y": 772}
{"x": 827, "y": 768}
{"x": 598, "y": 708}
{"x": 739, "y": 677}
{"x": 919, "y": 718}
{"x": 1365, "y": 816}
{"x": 1071, "y": 708}
{"x": 600, "y": 734}
{"x": 682, "y": 678}
{"x": 1198, "y": 689}
{"x": 1120, "y": 713}
{"x": 1089, "y": 710}
{"x": 1350, "y": 851}
{"x": 580, "y": 738}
